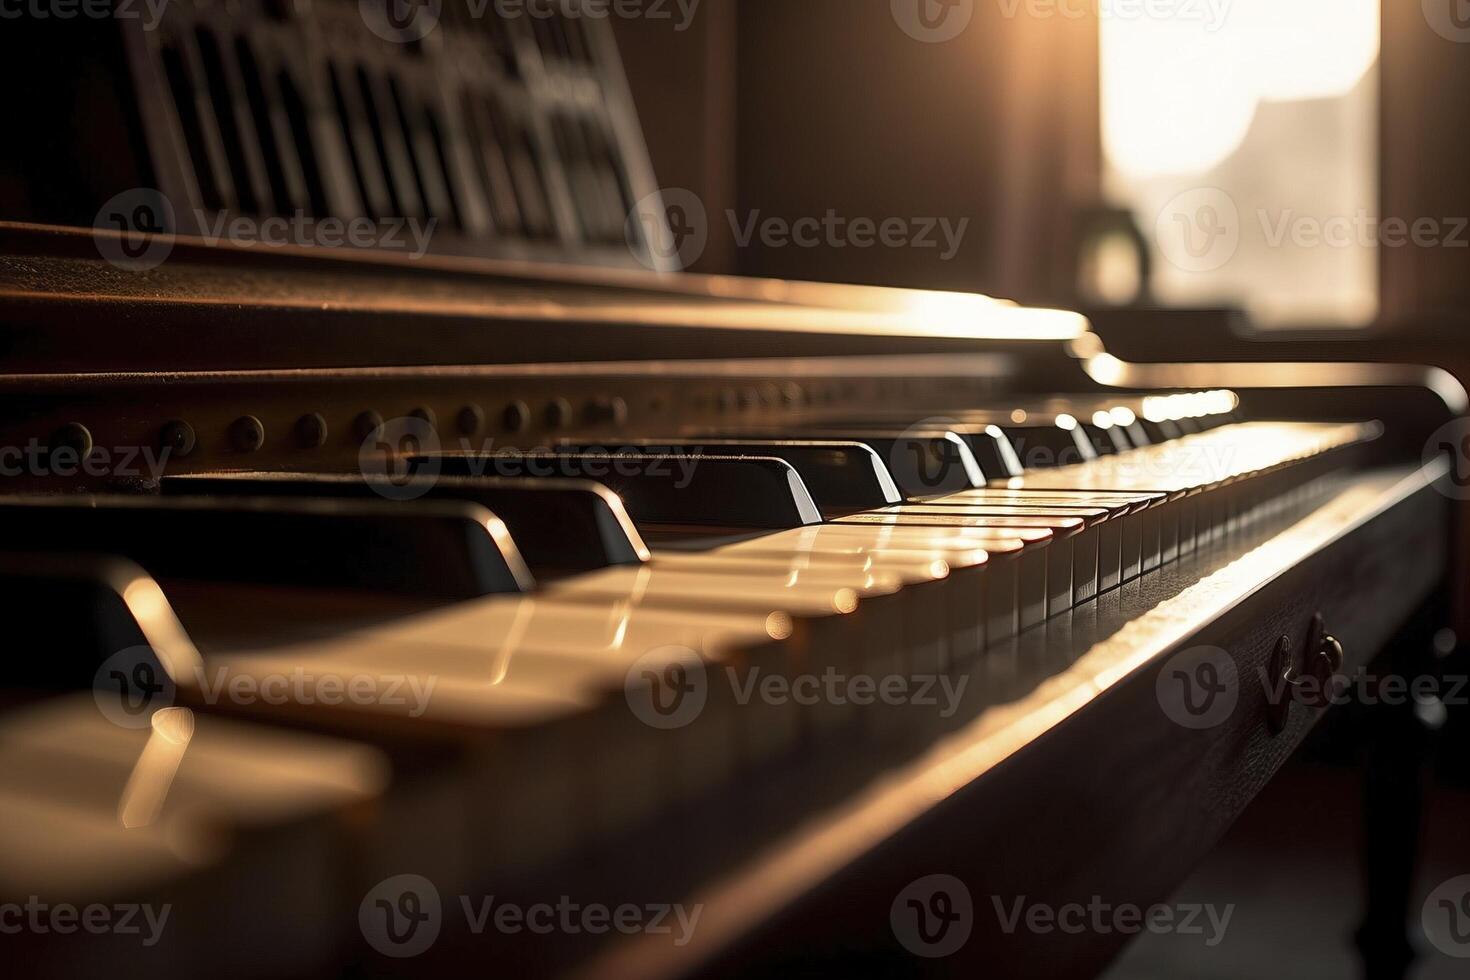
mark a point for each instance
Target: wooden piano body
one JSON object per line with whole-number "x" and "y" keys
{"x": 1062, "y": 774}
{"x": 218, "y": 463}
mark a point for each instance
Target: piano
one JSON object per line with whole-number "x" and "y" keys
{"x": 530, "y": 607}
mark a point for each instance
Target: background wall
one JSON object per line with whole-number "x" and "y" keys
{"x": 795, "y": 106}
{"x": 790, "y": 108}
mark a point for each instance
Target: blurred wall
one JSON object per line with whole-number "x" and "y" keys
{"x": 1426, "y": 142}
{"x": 684, "y": 87}
{"x": 789, "y": 109}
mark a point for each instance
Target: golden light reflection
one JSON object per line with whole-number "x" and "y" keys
{"x": 1106, "y": 369}
{"x": 507, "y": 643}
{"x": 148, "y": 785}
{"x": 176, "y": 653}
{"x": 1194, "y": 405}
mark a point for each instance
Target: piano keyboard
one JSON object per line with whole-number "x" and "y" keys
{"x": 474, "y": 676}
{"x": 358, "y": 595}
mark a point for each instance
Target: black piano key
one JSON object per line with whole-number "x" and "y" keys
{"x": 1137, "y": 434}
{"x": 1160, "y": 432}
{"x": 1106, "y": 440}
{"x": 1116, "y": 436}
{"x": 993, "y": 451}
{"x": 923, "y": 462}
{"x": 67, "y": 615}
{"x": 558, "y": 526}
{"x": 1047, "y": 442}
{"x": 842, "y": 477}
{"x": 444, "y": 549}
{"x": 719, "y": 491}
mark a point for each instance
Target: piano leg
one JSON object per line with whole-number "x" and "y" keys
{"x": 1395, "y": 745}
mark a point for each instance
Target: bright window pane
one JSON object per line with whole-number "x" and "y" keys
{"x": 1243, "y": 135}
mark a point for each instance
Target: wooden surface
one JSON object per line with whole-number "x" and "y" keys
{"x": 1080, "y": 786}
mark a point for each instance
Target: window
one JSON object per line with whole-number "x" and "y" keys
{"x": 1242, "y": 134}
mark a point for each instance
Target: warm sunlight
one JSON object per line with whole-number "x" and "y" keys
{"x": 1179, "y": 93}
